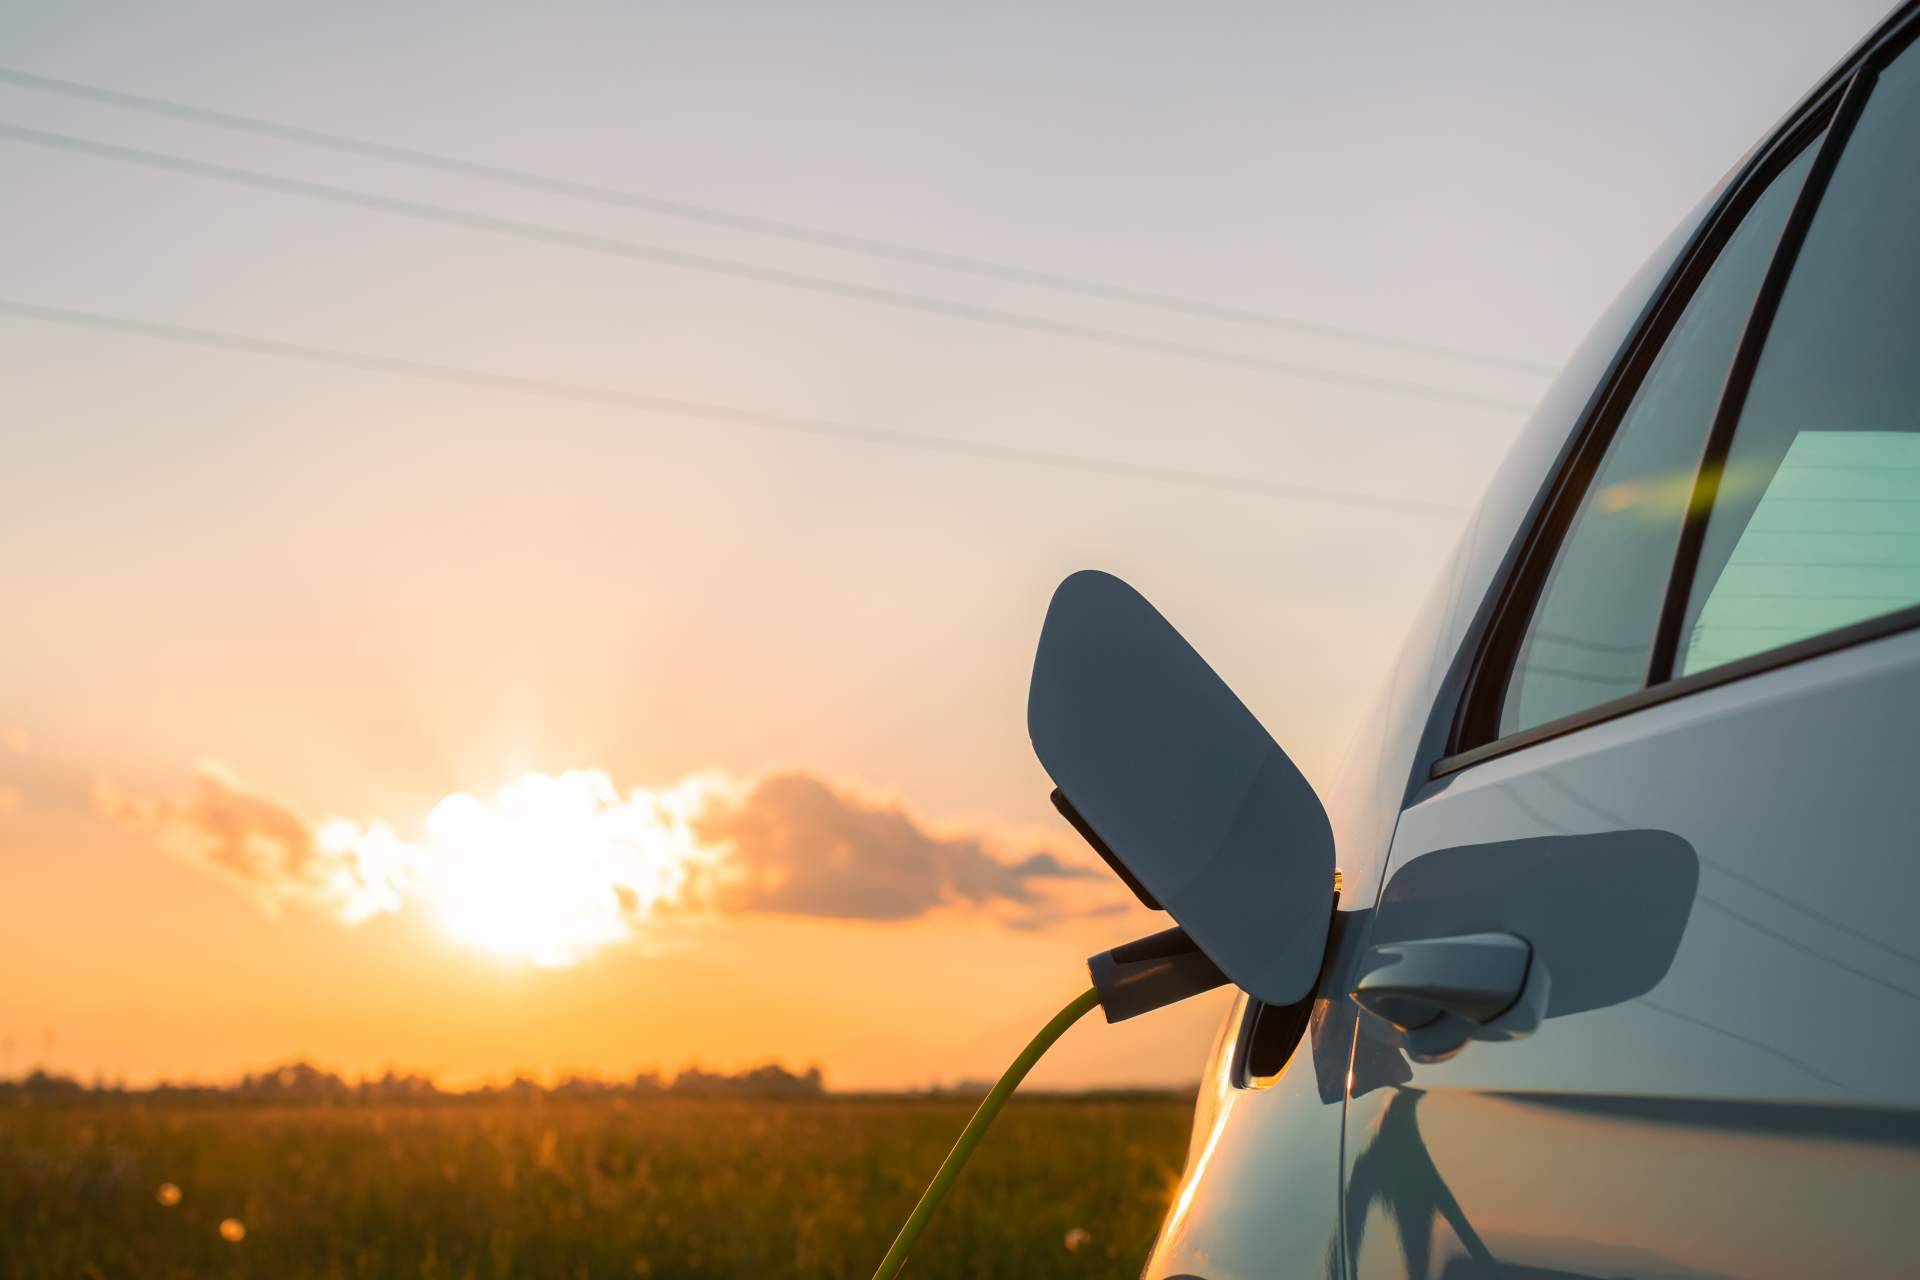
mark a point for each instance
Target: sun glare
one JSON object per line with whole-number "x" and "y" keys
{"x": 548, "y": 871}
{"x": 554, "y": 867}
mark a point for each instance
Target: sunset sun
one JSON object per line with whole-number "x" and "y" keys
{"x": 549, "y": 870}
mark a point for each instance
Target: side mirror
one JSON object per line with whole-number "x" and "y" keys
{"x": 1174, "y": 782}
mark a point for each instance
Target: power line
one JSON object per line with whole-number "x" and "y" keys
{"x": 763, "y": 226}
{"x": 744, "y": 271}
{"x": 816, "y": 427}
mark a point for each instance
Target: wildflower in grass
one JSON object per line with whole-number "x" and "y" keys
{"x": 167, "y": 1194}
{"x": 232, "y": 1230}
{"x": 1077, "y": 1239}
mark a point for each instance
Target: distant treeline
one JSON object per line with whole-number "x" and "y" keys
{"x": 300, "y": 1082}
{"x": 303, "y": 1082}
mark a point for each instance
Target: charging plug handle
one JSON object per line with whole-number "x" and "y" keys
{"x": 1150, "y": 973}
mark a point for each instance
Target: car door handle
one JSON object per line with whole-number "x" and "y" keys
{"x": 1475, "y": 977}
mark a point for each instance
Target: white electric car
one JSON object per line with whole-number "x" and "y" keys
{"x": 1622, "y": 975}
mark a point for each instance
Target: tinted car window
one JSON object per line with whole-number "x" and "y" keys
{"x": 1592, "y": 629}
{"x": 1816, "y": 524}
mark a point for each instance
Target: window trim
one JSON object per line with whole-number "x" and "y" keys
{"x": 1746, "y": 361}
{"x": 1834, "y": 107}
{"x": 1477, "y": 720}
{"x": 1846, "y": 637}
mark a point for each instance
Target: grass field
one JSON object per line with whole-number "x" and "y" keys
{"x": 663, "y": 1188}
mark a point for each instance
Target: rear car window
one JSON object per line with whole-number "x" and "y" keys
{"x": 1592, "y": 630}
{"x": 1832, "y": 539}
{"x": 1816, "y": 524}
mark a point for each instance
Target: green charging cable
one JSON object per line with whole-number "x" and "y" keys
{"x": 1144, "y": 975}
{"x": 970, "y": 1136}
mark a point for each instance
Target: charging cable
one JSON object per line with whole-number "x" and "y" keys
{"x": 1129, "y": 980}
{"x": 976, "y": 1129}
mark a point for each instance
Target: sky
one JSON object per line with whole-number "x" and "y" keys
{"x": 394, "y": 717}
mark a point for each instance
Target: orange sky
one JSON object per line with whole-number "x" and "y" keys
{"x": 158, "y": 964}
{"x": 358, "y": 624}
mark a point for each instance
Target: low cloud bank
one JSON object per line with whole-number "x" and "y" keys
{"x": 262, "y": 844}
{"x": 553, "y": 867}
{"x": 801, "y": 847}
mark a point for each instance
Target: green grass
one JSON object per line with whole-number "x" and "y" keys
{"x": 663, "y": 1188}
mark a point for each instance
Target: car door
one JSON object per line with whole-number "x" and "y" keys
{"x": 1682, "y": 785}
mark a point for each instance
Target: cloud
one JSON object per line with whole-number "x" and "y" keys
{"x": 798, "y": 846}
{"x": 552, "y": 868}
{"x": 9, "y": 800}
{"x": 18, "y": 741}
{"x": 264, "y": 845}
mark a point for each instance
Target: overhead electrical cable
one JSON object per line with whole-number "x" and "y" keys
{"x": 674, "y": 407}
{"x": 758, "y": 225}
{"x": 747, "y": 271}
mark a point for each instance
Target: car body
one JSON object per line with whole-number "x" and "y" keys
{"x": 1662, "y": 724}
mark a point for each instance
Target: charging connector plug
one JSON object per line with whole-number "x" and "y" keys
{"x": 1150, "y": 973}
